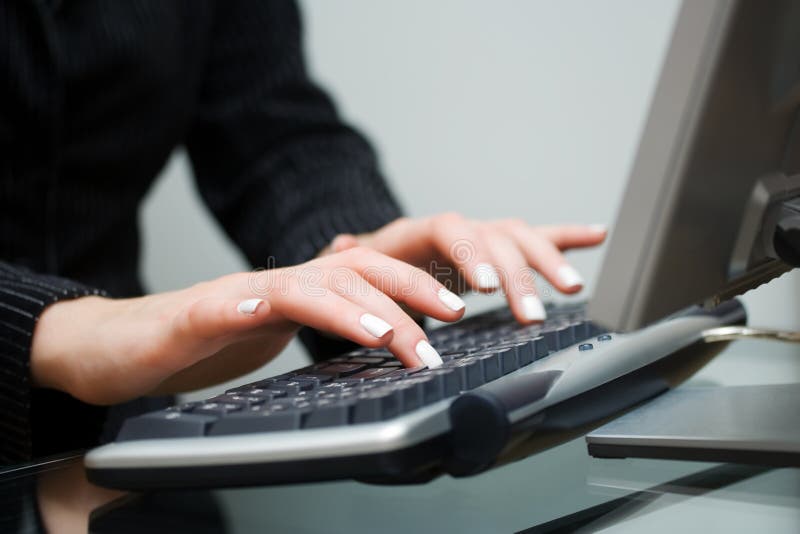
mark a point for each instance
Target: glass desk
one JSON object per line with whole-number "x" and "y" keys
{"x": 560, "y": 490}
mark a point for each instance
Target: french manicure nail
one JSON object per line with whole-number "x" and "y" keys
{"x": 249, "y": 306}
{"x": 569, "y": 276}
{"x": 599, "y": 228}
{"x": 374, "y": 325}
{"x": 428, "y": 354}
{"x": 533, "y": 309}
{"x": 450, "y": 299}
{"x": 486, "y": 276}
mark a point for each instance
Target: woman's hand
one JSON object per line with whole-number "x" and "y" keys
{"x": 485, "y": 256}
{"x": 105, "y": 351}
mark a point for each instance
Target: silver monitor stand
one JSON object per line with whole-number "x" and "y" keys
{"x": 757, "y": 424}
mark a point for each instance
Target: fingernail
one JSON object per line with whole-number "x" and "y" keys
{"x": 486, "y": 276}
{"x": 249, "y": 306}
{"x": 599, "y": 228}
{"x": 533, "y": 309}
{"x": 450, "y": 299}
{"x": 569, "y": 276}
{"x": 428, "y": 354}
{"x": 374, "y": 325}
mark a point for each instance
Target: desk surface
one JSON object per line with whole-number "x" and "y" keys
{"x": 559, "y": 490}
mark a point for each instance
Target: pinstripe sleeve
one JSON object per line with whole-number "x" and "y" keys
{"x": 23, "y": 296}
{"x": 273, "y": 159}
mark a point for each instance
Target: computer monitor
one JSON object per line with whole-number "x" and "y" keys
{"x": 712, "y": 209}
{"x": 715, "y": 162}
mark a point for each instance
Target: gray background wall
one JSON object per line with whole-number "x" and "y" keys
{"x": 513, "y": 107}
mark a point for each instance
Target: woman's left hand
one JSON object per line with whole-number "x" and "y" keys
{"x": 485, "y": 255}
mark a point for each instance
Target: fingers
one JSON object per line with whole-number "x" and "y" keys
{"x": 405, "y": 283}
{"x": 574, "y": 236}
{"x": 322, "y": 309}
{"x": 457, "y": 239}
{"x": 546, "y": 258}
{"x": 343, "y": 242}
{"x": 212, "y": 318}
{"x": 518, "y": 279}
{"x": 409, "y": 342}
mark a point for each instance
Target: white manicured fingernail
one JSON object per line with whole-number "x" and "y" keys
{"x": 486, "y": 276}
{"x": 599, "y": 228}
{"x": 428, "y": 354}
{"x": 451, "y": 300}
{"x": 533, "y": 309}
{"x": 249, "y": 306}
{"x": 374, "y": 325}
{"x": 569, "y": 276}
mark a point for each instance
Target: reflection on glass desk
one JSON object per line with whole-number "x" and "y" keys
{"x": 559, "y": 490}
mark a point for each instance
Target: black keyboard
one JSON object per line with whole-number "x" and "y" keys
{"x": 364, "y": 415}
{"x": 369, "y": 385}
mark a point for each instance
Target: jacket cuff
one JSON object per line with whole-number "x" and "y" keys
{"x": 23, "y": 297}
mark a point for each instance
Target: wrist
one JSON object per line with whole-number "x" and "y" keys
{"x": 60, "y": 339}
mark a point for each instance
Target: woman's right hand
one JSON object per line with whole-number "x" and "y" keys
{"x": 105, "y": 351}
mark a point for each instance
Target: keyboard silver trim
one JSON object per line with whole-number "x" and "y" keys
{"x": 369, "y": 438}
{"x": 631, "y": 351}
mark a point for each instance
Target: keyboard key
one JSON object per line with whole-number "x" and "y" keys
{"x": 284, "y": 377}
{"x": 165, "y": 424}
{"x": 540, "y": 348}
{"x": 266, "y": 393}
{"x": 430, "y": 389}
{"x": 447, "y": 378}
{"x": 217, "y": 408}
{"x": 248, "y": 422}
{"x": 490, "y": 366}
{"x": 277, "y": 391}
{"x": 316, "y": 379}
{"x": 369, "y": 360}
{"x": 469, "y": 372}
{"x": 186, "y": 406}
{"x": 288, "y": 404}
{"x": 375, "y": 372}
{"x": 508, "y": 361}
{"x": 402, "y": 372}
{"x": 340, "y": 369}
{"x": 337, "y": 387}
{"x": 292, "y": 388}
{"x": 378, "y": 404}
{"x": 350, "y": 393}
{"x": 329, "y": 412}
{"x": 565, "y": 336}
{"x": 240, "y": 400}
{"x": 411, "y": 397}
